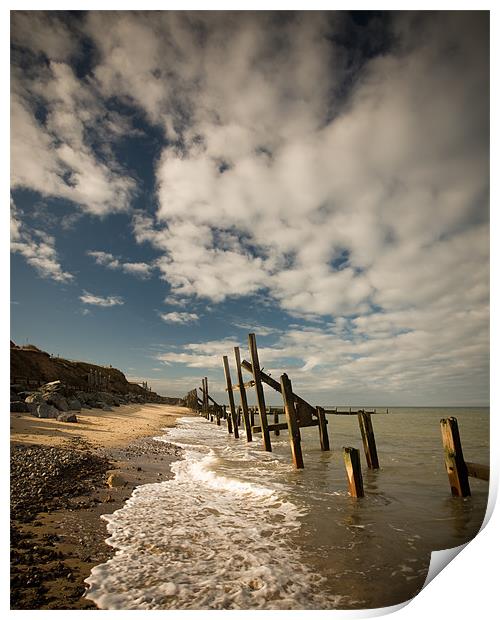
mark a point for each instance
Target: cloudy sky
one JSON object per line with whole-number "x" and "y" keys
{"x": 179, "y": 179}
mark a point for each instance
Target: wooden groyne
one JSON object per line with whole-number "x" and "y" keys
{"x": 457, "y": 468}
{"x": 298, "y": 414}
{"x": 301, "y": 414}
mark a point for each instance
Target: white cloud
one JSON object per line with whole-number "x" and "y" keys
{"x": 335, "y": 191}
{"x": 386, "y": 183}
{"x": 179, "y": 317}
{"x": 336, "y": 206}
{"x": 43, "y": 32}
{"x": 38, "y": 248}
{"x": 58, "y": 154}
{"x": 140, "y": 270}
{"x": 105, "y": 302}
{"x": 261, "y": 330}
{"x": 104, "y": 258}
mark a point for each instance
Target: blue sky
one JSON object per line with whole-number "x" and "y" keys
{"x": 180, "y": 179}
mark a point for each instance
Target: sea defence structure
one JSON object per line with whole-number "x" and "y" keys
{"x": 301, "y": 414}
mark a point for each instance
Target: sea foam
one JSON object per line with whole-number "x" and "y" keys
{"x": 204, "y": 540}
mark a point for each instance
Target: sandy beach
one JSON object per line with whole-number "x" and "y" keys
{"x": 98, "y": 428}
{"x": 60, "y": 487}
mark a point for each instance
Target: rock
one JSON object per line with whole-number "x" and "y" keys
{"x": 53, "y": 398}
{"x": 67, "y": 417}
{"x": 19, "y": 406}
{"x": 52, "y": 386}
{"x": 100, "y": 405}
{"x": 74, "y": 404}
{"x": 45, "y": 411}
{"x": 116, "y": 480}
{"x": 13, "y": 395}
{"x": 35, "y": 397}
{"x": 106, "y": 398}
{"x": 83, "y": 397}
{"x": 24, "y": 395}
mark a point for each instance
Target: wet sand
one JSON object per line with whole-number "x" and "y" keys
{"x": 54, "y": 548}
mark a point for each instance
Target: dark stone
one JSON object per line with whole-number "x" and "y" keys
{"x": 53, "y": 398}
{"x": 45, "y": 411}
{"x": 18, "y": 406}
{"x": 34, "y": 397}
{"x": 67, "y": 417}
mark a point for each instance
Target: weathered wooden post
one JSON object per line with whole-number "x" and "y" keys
{"x": 291, "y": 419}
{"x": 323, "y": 430}
{"x": 202, "y": 399}
{"x": 368, "y": 437}
{"x": 454, "y": 458}
{"x": 254, "y": 356}
{"x": 353, "y": 471}
{"x": 231, "y": 397}
{"x": 276, "y": 421}
{"x": 243, "y": 394}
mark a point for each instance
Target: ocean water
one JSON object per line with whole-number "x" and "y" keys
{"x": 240, "y": 528}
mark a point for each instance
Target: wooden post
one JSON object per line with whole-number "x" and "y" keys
{"x": 243, "y": 394}
{"x": 231, "y": 397}
{"x": 276, "y": 421}
{"x": 353, "y": 470}
{"x": 370, "y": 448}
{"x": 323, "y": 430}
{"x": 217, "y": 414}
{"x": 252, "y": 416}
{"x": 291, "y": 419}
{"x": 202, "y": 388}
{"x": 254, "y": 356}
{"x": 454, "y": 458}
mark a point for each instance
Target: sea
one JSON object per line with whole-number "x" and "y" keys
{"x": 239, "y": 528}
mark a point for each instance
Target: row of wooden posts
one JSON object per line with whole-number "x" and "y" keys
{"x": 300, "y": 414}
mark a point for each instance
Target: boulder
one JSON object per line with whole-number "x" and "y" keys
{"x": 74, "y": 404}
{"x": 67, "y": 417}
{"x": 52, "y": 386}
{"x": 35, "y": 397}
{"x": 82, "y": 396}
{"x": 116, "y": 480}
{"x": 103, "y": 406}
{"x": 13, "y": 395}
{"x": 106, "y": 397}
{"x": 24, "y": 395}
{"x": 45, "y": 411}
{"x": 19, "y": 406}
{"x": 53, "y": 398}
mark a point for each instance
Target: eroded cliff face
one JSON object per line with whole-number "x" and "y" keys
{"x": 31, "y": 367}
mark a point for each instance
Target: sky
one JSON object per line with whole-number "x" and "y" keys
{"x": 180, "y": 179}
